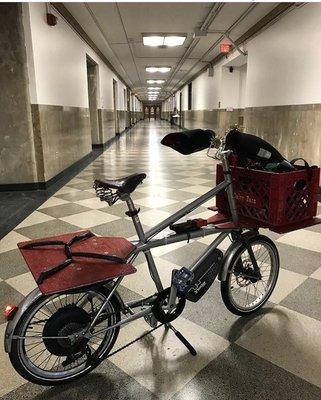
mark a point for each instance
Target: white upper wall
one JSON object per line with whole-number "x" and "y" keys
{"x": 57, "y": 64}
{"x": 284, "y": 65}
{"x": 219, "y": 91}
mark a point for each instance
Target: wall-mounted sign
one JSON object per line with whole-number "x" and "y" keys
{"x": 225, "y": 47}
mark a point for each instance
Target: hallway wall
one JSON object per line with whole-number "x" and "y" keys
{"x": 17, "y": 145}
{"x": 283, "y": 101}
{"x": 275, "y": 92}
{"x": 56, "y": 62}
{"x": 217, "y": 101}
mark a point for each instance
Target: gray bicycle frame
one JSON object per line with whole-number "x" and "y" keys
{"x": 146, "y": 243}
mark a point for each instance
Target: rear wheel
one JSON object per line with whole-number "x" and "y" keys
{"x": 245, "y": 289}
{"x": 45, "y": 355}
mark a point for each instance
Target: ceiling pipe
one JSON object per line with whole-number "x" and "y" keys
{"x": 244, "y": 53}
{"x": 227, "y": 32}
{"x": 273, "y": 16}
{"x": 213, "y": 13}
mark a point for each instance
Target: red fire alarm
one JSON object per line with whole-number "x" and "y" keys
{"x": 225, "y": 47}
{"x": 51, "y": 19}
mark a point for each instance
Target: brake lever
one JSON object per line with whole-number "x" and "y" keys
{"x": 219, "y": 144}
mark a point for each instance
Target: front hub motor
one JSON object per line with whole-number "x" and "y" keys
{"x": 160, "y": 310}
{"x": 67, "y": 321}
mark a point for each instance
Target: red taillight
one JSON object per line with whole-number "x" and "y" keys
{"x": 10, "y": 311}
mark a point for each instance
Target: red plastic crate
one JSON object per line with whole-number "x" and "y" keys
{"x": 274, "y": 199}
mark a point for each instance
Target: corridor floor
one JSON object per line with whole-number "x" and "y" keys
{"x": 273, "y": 355}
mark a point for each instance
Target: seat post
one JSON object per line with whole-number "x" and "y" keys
{"x": 133, "y": 213}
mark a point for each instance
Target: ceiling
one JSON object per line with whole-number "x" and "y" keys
{"x": 116, "y": 29}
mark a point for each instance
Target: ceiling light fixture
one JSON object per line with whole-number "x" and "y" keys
{"x": 154, "y": 88}
{"x": 163, "y": 39}
{"x": 158, "y": 81}
{"x": 153, "y": 41}
{"x": 157, "y": 69}
{"x": 173, "y": 41}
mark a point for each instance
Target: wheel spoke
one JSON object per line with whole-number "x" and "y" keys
{"x": 38, "y": 355}
{"x": 247, "y": 290}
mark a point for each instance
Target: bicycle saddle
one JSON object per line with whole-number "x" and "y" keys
{"x": 127, "y": 184}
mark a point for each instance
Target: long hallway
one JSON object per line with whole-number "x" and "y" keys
{"x": 272, "y": 355}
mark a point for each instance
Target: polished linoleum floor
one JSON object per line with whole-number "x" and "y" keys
{"x": 274, "y": 355}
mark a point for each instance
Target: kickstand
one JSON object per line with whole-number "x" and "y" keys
{"x": 185, "y": 342}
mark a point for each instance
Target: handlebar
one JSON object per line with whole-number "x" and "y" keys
{"x": 219, "y": 144}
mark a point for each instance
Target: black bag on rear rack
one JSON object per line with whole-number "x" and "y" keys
{"x": 188, "y": 142}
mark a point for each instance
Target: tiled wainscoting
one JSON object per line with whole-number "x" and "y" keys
{"x": 62, "y": 137}
{"x": 106, "y": 121}
{"x": 293, "y": 130}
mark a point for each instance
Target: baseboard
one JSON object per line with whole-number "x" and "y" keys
{"x": 77, "y": 166}
{"x": 66, "y": 173}
{"x": 105, "y": 145}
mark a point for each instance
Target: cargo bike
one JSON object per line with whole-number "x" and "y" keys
{"x": 69, "y": 324}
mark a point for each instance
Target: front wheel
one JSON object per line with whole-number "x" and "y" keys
{"x": 246, "y": 289}
{"x": 43, "y": 353}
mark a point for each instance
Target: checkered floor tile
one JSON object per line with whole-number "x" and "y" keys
{"x": 274, "y": 354}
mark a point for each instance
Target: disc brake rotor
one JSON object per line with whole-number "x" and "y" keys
{"x": 245, "y": 274}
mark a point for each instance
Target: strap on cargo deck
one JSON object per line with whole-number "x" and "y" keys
{"x": 69, "y": 254}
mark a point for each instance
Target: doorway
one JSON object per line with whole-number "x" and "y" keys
{"x": 180, "y": 110}
{"x": 189, "y": 96}
{"x": 92, "y": 81}
{"x": 115, "y": 98}
{"x": 128, "y": 117}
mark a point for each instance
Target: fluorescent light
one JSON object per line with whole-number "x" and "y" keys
{"x": 153, "y": 41}
{"x": 151, "y": 69}
{"x": 154, "y": 88}
{"x": 164, "y": 69}
{"x": 157, "y": 69}
{"x": 172, "y": 41}
{"x": 159, "y": 81}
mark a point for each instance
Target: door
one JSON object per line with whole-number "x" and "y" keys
{"x": 180, "y": 110}
{"x": 115, "y": 98}
{"x": 128, "y": 117}
{"x": 92, "y": 100}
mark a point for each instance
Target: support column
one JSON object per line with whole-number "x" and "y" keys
{"x": 18, "y": 163}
